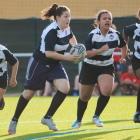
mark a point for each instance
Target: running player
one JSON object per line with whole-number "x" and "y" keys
{"x": 133, "y": 31}
{"x": 45, "y": 64}
{"x": 6, "y": 56}
{"x": 98, "y": 66}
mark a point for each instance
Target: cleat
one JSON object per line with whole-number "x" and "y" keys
{"x": 49, "y": 123}
{"x": 76, "y": 125}
{"x": 12, "y": 127}
{"x": 2, "y": 103}
{"x": 136, "y": 118}
{"x": 97, "y": 121}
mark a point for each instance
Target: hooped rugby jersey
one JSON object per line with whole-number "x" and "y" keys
{"x": 6, "y": 56}
{"x": 52, "y": 39}
{"x": 95, "y": 40}
{"x": 133, "y": 31}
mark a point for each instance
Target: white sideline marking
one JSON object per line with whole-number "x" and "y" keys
{"x": 72, "y": 132}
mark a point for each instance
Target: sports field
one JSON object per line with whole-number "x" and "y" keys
{"x": 117, "y": 118}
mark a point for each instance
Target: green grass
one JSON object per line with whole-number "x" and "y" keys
{"x": 117, "y": 119}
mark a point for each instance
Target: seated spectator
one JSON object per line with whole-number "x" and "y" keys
{"x": 129, "y": 82}
{"x": 48, "y": 91}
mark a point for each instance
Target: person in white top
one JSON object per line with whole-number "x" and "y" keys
{"x": 98, "y": 65}
{"x": 133, "y": 31}
{"x": 6, "y": 56}
{"x": 45, "y": 64}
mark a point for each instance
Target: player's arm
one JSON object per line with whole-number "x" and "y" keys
{"x": 57, "y": 56}
{"x": 126, "y": 38}
{"x": 73, "y": 41}
{"x": 124, "y": 48}
{"x": 50, "y": 42}
{"x": 13, "y": 81}
{"x": 92, "y": 53}
{"x": 13, "y": 61}
{"x": 90, "y": 45}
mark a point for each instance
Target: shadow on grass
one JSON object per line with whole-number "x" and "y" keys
{"x": 109, "y": 121}
{"x": 53, "y": 135}
{"x": 129, "y": 138}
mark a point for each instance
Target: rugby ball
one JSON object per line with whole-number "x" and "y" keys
{"x": 80, "y": 50}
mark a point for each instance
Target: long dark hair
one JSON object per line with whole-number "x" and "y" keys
{"x": 53, "y": 11}
{"x": 98, "y": 17}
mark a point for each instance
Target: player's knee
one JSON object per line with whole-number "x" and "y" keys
{"x": 85, "y": 97}
{"x": 64, "y": 89}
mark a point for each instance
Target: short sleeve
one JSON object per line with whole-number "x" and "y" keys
{"x": 88, "y": 42}
{"x": 50, "y": 40}
{"x": 10, "y": 57}
{"x": 122, "y": 41}
{"x": 129, "y": 30}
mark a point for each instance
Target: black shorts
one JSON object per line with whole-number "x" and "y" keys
{"x": 3, "y": 81}
{"x": 135, "y": 64}
{"x": 37, "y": 74}
{"x": 90, "y": 73}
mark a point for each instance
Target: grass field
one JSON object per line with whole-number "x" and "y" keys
{"x": 117, "y": 118}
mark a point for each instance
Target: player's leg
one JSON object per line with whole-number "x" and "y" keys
{"x": 59, "y": 78}
{"x": 22, "y": 103}
{"x": 137, "y": 114}
{"x": 3, "y": 86}
{"x": 35, "y": 80}
{"x": 2, "y": 103}
{"x": 63, "y": 88}
{"x": 85, "y": 95}
{"x": 105, "y": 82}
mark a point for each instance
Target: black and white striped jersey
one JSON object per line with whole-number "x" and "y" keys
{"x": 6, "y": 56}
{"x": 95, "y": 40}
{"x": 52, "y": 39}
{"x": 134, "y": 32}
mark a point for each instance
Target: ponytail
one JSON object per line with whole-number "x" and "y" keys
{"x": 52, "y": 12}
{"x": 49, "y": 13}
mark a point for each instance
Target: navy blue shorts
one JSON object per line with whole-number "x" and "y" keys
{"x": 37, "y": 74}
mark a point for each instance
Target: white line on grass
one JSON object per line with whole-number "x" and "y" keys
{"x": 66, "y": 121}
{"x": 72, "y": 132}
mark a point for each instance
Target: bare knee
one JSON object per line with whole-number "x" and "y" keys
{"x": 28, "y": 94}
{"x": 85, "y": 97}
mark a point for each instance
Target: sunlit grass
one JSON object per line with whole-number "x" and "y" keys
{"x": 117, "y": 118}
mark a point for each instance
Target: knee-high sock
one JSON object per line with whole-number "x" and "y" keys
{"x": 138, "y": 100}
{"x": 56, "y": 102}
{"x": 81, "y": 109}
{"x": 101, "y": 103}
{"x": 20, "y": 107}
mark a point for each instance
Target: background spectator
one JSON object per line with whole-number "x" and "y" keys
{"x": 129, "y": 82}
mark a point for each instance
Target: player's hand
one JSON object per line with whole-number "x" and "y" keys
{"x": 12, "y": 82}
{"x": 127, "y": 54}
{"x": 72, "y": 58}
{"x": 104, "y": 48}
{"x": 122, "y": 61}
